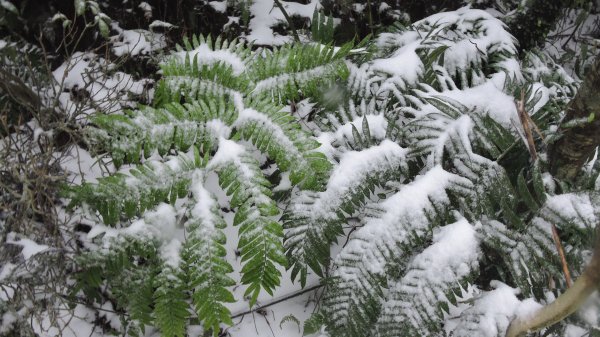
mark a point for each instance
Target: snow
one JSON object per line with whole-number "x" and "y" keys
{"x": 494, "y": 311}
{"x": 145, "y": 6}
{"x": 403, "y": 216}
{"x": 74, "y": 72}
{"x": 204, "y": 202}
{"x": 163, "y": 219}
{"x": 454, "y": 248}
{"x": 355, "y": 165}
{"x": 575, "y": 331}
{"x": 571, "y": 208}
{"x": 452, "y": 256}
{"x": 205, "y": 55}
{"x": 493, "y": 36}
{"x": 489, "y": 99}
{"x": 251, "y": 115}
{"x": 229, "y": 151}
{"x": 404, "y": 66}
{"x": 160, "y": 24}
{"x": 30, "y": 248}
{"x": 137, "y": 42}
{"x": 219, "y": 6}
{"x": 285, "y": 184}
{"x": 266, "y": 15}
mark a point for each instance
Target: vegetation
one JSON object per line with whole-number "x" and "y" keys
{"x": 425, "y": 175}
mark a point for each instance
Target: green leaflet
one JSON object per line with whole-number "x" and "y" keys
{"x": 170, "y": 308}
{"x": 203, "y": 257}
{"x": 260, "y": 236}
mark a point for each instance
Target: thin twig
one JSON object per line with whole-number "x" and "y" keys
{"x": 528, "y": 124}
{"x": 561, "y": 253}
{"x": 279, "y": 300}
{"x": 288, "y": 19}
{"x": 526, "y": 127}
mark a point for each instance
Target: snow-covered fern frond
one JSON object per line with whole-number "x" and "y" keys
{"x": 203, "y": 256}
{"x": 260, "y": 244}
{"x": 433, "y": 279}
{"x": 125, "y": 195}
{"x": 294, "y": 71}
{"x": 173, "y": 126}
{"x": 315, "y": 219}
{"x": 398, "y": 172}
{"x": 404, "y": 220}
{"x": 278, "y": 134}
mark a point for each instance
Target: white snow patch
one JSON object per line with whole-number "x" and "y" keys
{"x": 488, "y": 98}
{"x": 163, "y": 218}
{"x": 137, "y": 42}
{"x": 265, "y": 15}
{"x": 30, "y": 247}
{"x": 219, "y": 6}
{"x": 205, "y": 55}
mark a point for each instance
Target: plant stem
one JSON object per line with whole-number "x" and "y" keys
{"x": 279, "y": 300}
{"x": 565, "y": 304}
{"x": 288, "y": 19}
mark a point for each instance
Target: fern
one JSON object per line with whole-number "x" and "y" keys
{"x": 310, "y": 232}
{"x": 127, "y": 195}
{"x": 389, "y": 144}
{"x": 260, "y": 236}
{"x": 275, "y": 133}
{"x": 204, "y": 258}
{"x": 354, "y": 301}
{"x": 171, "y": 309}
{"x": 432, "y": 281}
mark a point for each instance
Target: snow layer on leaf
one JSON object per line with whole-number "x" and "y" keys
{"x": 492, "y": 312}
{"x": 440, "y": 268}
{"x": 377, "y": 126}
{"x": 228, "y": 151}
{"x": 572, "y": 208}
{"x": 205, "y": 55}
{"x": 163, "y": 218}
{"x": 455, "y": 248}
{"x": 488, "y": 98}
{"x": 137, "y": 42}
{"x": 404, "y": 66}
{"x": 404, "y": 215}
{"x": 477, "y": 33}
{"x": 353, "y": 167}
{"x": 204, "y": 202}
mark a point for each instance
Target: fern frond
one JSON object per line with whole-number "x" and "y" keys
{"x": 529, "y": 257}
{"x": 294, "y": 71}
{"x": 170, "y": 305}
{"x": 321, "y": 27}
{"x": 315, "y": 220}
{"x": 203, "y": 258}
{"x": 432, "y": 281}
{"x": 354, "y": 299}
{"x": 173, "y": 126}
{"x": 206, "y": 67}
{"x": 277, "y": 134}
{"x": 260, "y": 235}
{"x": 126, "y": 195}
{"x": 131, "y": 282}
{"x": 358, "y": 125}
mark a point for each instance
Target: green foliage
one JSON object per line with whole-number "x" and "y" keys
{"x": 321, "y": 28}
{"x": 390, "y": 145}
{"x": 204, "y": 109}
